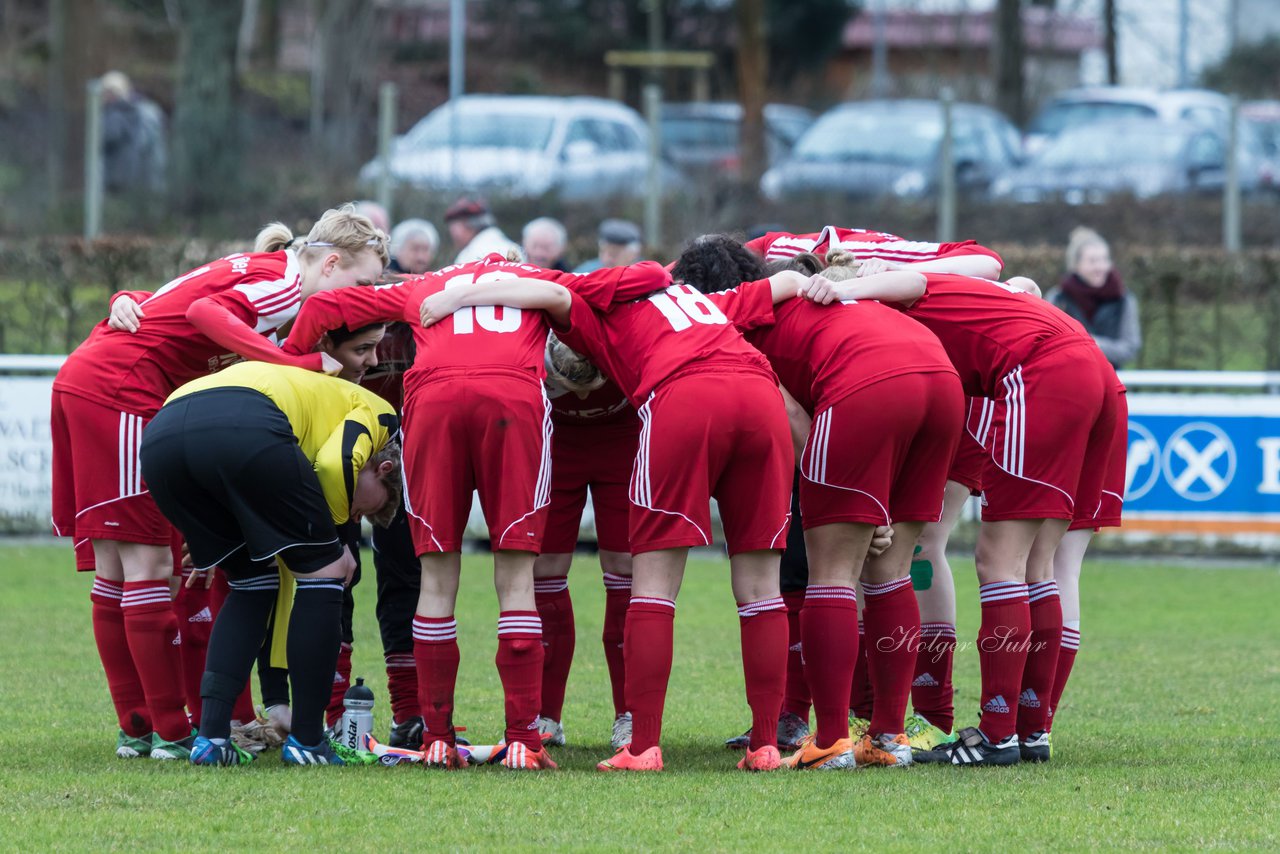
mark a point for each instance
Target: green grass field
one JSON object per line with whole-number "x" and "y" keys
{"x": 1166, "y": 738}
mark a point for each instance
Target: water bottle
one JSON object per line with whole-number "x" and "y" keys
{"x": 357, "y": 717}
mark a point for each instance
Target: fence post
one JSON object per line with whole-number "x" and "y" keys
{"x": 1231, "y": 186}
{"x": 946, "y": 175}
{"x": 93, "y": 160}
{"x": 387, "y": 94}
{"x": 653, "y": 184}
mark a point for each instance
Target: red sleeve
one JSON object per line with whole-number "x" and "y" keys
{"x": 761, "y": 245}
{"x": 747, "y": 306}
{"x": 137, "y": 296}
{"x": 585, "y": 333}
{"x": 349, "y": 307}
{"x": 623, "y": 284}
{"x": 967, "y": 247}
{"x": 221, "y": 326}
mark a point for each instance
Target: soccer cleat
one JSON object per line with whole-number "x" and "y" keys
{"x": 810, "y": 757}
{"x": 1037, "y": 748}
{"x": 857, "y": 726}
{"x": 621, "y": 731}
{"x": 890, "y": 751}
{"x": 442, "y": 754}
{"x": 128, "y": 747}
{"x": 972, "y": 748}
{"x": 228, "y": 753}
{"x": 172, "y": 750}
{"x": 552, "y": 732}
{"x": 924, "y": 735}
{"x": 766, "y": 758}
{"x": 519, "y": 757}
{"x": 407, "y": 734}
{"x": 388, "y": 755}
{"x": 625, "y": 760}
{"x": 327, "y": 752}
{"x": 792, "y": 730}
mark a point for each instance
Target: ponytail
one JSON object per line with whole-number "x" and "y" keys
{"x": 274, "y": 237}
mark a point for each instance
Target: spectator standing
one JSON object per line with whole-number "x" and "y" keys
{"x": 376, "y": 213}
{"x": 134, "y": 154}
{"x": 620, "y": 244}
{"x": 1093, "y": 293}
{"x": 413, "y": 246}
{"x": 543, "y": 241}
{"x": 474, "y": 231}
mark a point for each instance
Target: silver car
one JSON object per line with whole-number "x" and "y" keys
{"x": 523, "y": 146}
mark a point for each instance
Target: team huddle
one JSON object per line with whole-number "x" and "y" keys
{"x": 840, "y": 394}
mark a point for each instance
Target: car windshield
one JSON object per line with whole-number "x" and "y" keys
{"x": 483, "y": 130}
{"x": 872, "y": 136}
{"x": 1059, "y": 117}
{"x": 700, "y": 133}
{"x": 1112, "y": 146}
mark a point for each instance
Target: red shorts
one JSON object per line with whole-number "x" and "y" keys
{"x": 881, "y": 454}
{"x": 1111, "y": 488}
{"x": 486, "y": 432}
{"x": 98, "y": 491}
{"x": 599, "y": 456}
{"x": 1054, "y": 423}
{"x": 720, "y": 434}
{"x": 971, "y": 457}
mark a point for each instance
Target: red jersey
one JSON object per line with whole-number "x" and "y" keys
{"x": 479, "y": 338}
{"x": 605, "y": 405}
{"x": 989, "y": 328}
{"x": 862, "y": 244}
{"x": 643, "y": 343}
{"x": 136, "y": 371}
{"x": 822, "y": 354}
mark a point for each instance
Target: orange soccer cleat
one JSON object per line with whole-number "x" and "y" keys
{"x": 519, "y": 757}
{"x": 625, "y": 760}
{"x": 810, "y": 757}
{"x": 766, "y": 758}
{"x": 442, "y": 754}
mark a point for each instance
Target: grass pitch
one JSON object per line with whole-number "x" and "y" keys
{"x": 1166, "y": 738}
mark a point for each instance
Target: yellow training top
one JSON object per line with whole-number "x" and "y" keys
{"x": 339, "y": 425}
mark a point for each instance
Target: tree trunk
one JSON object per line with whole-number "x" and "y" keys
{"x": 1010, "y": 82}
{"x": 753, "y": 58}
{"x": 207, "y": 130}
{"x": 349, "y": 94}
{"x": 1109, "y": 35}
{"x": 74, "y": 59}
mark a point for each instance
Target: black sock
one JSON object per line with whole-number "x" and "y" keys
{"x": 272, "y": 681}
{"x": 315, "y": 633}
{"x": 235, "y": 640}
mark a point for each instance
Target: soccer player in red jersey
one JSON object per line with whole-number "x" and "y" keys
{"x": 476, "y": 418}
{"x": 880, "y": 412}
{"x": 713, "y": 424}
{"x": 593, "y": 447}
{"x": 882, "y": 251}
{"x": 1053, "y": 420}
{"x": 106, "y": 393}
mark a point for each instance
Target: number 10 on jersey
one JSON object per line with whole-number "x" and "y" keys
{"x": 466, "y": 318}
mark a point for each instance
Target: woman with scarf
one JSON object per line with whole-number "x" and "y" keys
{"x": 1093, "y": 294}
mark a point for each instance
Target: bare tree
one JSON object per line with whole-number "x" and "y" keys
{"x": 753, "y": 68}
{"x": 1009, "y": 52}
{"x": 74, "y": 58}
{"x": 1109, "y": 36}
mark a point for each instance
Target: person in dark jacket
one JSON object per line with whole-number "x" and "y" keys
{"x": 1093, "y": 293}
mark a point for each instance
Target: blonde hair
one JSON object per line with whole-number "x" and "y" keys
{"x": 1079, "y": 238}
{"x": 841, "y": 265}
{"x": 341, "y": 228}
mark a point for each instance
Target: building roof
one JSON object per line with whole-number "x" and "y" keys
{"x": 1045, "y": 31}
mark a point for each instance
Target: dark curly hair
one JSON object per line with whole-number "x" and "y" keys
{"x": 717, "y": 262}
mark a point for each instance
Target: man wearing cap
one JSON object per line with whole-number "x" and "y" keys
{"x": 619, "y": 245}
{"x": 472, "y": 227}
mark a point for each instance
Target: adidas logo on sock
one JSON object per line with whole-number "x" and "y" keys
{"x": 1029, "y": 699}
{"x": 925, "y": 680}
{"x": 205, "y": 616}
{"x": 996, "y": 705}
{"x": 177, "y": 639}
{"x": 795, "y": 647}
{"x": 337, "y": 678}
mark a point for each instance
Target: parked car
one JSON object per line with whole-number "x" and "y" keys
{"x": 1090, "y": 105}
{"x": 892, "y": 148}
{"x": 1144, "y": 157}
{"x": 525, "y": 146}
{"x": 703, "y": 137}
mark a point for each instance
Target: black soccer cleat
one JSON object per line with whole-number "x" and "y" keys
{"x": 407, "y": 734}
{"x": 972, "y": 748}
{"x": 1038, "y": 747}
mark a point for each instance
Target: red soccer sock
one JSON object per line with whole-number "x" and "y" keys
{"x": 341, "y": 682}
{"x": 829, "y": 627}
{"x": 932, "y": 695}
{"x": 891, "y": 618}
{"x": 555, "y": 609}
{"x": 402, "y": 686}
{"x": 763, "y": 626}
{"x": 617, "y": 595}
{"x": 860, "y": 694}
{"x": 519, "y": 660}
{"x": 154, "y": 642}
{"x": 195, "y": 616}
{"x": 1066, "y": 659}
{"x": 1042, "y": 658}
{"x": 796, "y": 697}
{"x": 435, "y": 653}
{"x": 117, "y": 663}
{"x": 648, "y": 645}
{"x": 1002, "y": 654}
